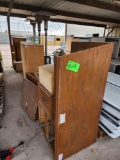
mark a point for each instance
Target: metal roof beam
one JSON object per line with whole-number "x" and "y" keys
{"x": 14, "y": 15}
{"x": 78, "y": 23}
{"x": 10, "y": 7}
{"x": 98, "y": 4}
{"x": 81, "y": 16}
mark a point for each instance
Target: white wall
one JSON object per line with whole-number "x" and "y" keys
{"x": 81, "y": 31}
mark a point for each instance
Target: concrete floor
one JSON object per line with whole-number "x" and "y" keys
{"x": 16, "y": 126}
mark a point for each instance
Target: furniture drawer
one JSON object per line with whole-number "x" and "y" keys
{"x": 46, "y": 99}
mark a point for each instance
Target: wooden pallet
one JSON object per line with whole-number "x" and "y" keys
{"x": 101, "y": 134}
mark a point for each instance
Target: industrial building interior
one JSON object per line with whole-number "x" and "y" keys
{"x": 60, "y": 80}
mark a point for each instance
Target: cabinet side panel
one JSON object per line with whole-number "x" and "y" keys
{"x": 34, "y": 58}
{"x": 79, "y": 97}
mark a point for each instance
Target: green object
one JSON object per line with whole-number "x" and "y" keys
{"x": 73, "y": 66}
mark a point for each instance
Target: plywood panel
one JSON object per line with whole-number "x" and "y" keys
{"x": 29, "y": 99}
{"x": 32, "y": 57}
{"x": 79, "y": 46}
{"x": 79, "y": 96}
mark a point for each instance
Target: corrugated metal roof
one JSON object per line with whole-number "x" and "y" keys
{"x": 90, "y": 13}
{"x": 62, "y": 5}
{"x": 111, "y": 1}
{"x": 79, "y": 20}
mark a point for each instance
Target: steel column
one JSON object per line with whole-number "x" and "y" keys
{"x": 45, "y": 29}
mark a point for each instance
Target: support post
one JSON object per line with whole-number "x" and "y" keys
{"x": 34, "y": 29}
{"x": 65, "y": 32}
{"x": 45, "y": 29}
{"x": 9, "y": 33}
{"x": 104, "y": 32}
{"x": 8, "y": 23}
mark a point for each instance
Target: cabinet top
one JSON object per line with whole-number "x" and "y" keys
{"x": 30, "y": 44}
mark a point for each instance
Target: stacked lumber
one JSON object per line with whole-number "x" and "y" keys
{"x": 110, "y": 115}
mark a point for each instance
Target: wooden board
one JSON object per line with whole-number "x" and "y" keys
{"x": 32, "y": 57}
{"x": 46, "y": 77}
{"x": 79, "y": 46}
{"x": 32, "y": 78}
{"x": 79, "y": 96}
{"x": 29, "y": 98}
{"x": 41, "y": 113}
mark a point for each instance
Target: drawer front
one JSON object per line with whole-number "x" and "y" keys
{"x": 47, "y": 102}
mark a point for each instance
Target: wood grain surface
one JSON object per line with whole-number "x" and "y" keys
{"x": 32, "y": 57}
{"x": 79, "y": 95}
{"x": 30, "y": 98}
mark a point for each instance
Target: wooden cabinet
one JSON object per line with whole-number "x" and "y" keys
{"x": 16, "y": 45}
{"x": 32, "y": 56}
{"x": 79, "y": 83}
{"x": 16, "y": 52}
{"x": 69, "y": 41}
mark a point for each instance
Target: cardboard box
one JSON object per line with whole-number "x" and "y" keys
{"x": 46, "y": 77}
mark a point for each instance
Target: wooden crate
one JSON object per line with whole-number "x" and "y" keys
{"x": 46, "y": 77}
{"x": 32, "y": 57}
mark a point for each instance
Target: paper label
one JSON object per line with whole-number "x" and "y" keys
{"x": 62, "y": 118}
{"x": 60, "y": 157}
{"x": 73, "y": 66}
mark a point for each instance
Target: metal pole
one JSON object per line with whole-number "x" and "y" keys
{"x": 65, "y": 32}
{"x": 8, "y": 23}
{"x": 104, "y": 32}
{"x": 39, "y": 30}
{"x": 45, "y": 28}
{"x": 34, "y": 29}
